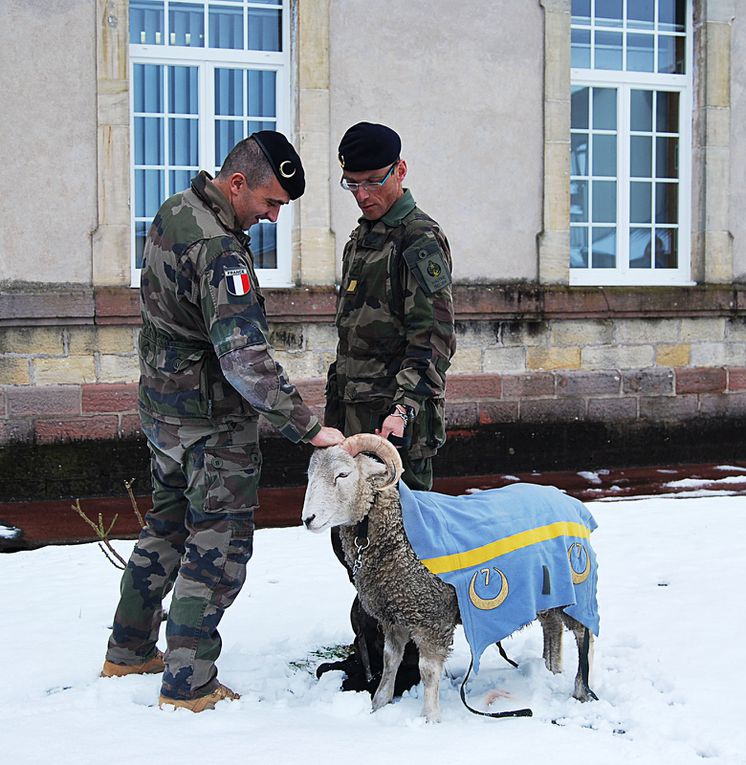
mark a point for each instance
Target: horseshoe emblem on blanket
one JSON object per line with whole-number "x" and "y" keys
{"x": 580, "y": 555}
{"x": 487, "y": 604}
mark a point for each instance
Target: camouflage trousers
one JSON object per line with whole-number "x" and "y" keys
{"x": 367, "y": 417}
{"x": 197, "y": 538}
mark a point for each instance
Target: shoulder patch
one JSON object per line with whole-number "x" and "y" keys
{"x": 428, "y": 267}
{"x": 237, "y": 281}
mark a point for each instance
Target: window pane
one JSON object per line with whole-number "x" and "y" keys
{"x": 609, "y": 12}
{"x": 579, "y": 154}
{"x": 666, "y": 248}
{"x": 578, "y": 247}
{"x": 666, "y": 202}
{"x": 581, "y": 11}
{"x": 262, "y": 93}
{"x": 264, "y": 245}
{"x": 641, "y": 117}
{"x": 180, "y": 179}
{"x": 227, "y": 134}
{"x": 639, "y": 248}
{"x": 666, "y": 157}
{"x": 640, "y": 14}
{"x": 604, "y": 155}
{"x": 579, "y": 108}
{"x": 603, "y": 196}
{"x": 640, "y": 53}
{"x": 226, "y": 27}
{"x": 671, "y": 54}
{"x": 604, "y": 108}
{"x": 148, "y": 141}
{"x": 265, "y": 29}
{"x": 608, "y": 47}
{"x": 641, "y": 156}
{"x": 148, "y": 192}
{"x": 183, "y": 142}
{"x": 604, "y": 248}
{"x": 672, "y": 15}
{"x": 255, "y": 125}
{"x": 579, "y": 201}
{"x": 148, "y": 88}
{"x": 229, "y": 92}
{"x": 667, "y": 112}
{"x": 640, "y": 202}
{"x": 581, "y": 48}
{"x": 183, "y": 93}
{"x": 146, "y": 22}
{"x": 186, "y": 25}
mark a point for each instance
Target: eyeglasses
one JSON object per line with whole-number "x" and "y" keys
{"x": 367, "y": 185}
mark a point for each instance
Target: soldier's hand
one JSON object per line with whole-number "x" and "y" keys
{"x": 391, "y": 425}
{"x": 327, "y": 437}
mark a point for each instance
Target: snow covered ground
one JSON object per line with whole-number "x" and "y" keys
{"x": 667, "y": 667}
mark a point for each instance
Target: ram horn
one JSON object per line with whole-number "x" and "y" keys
{"x": 383, "y": 449}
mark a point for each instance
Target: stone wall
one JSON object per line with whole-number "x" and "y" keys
{"x": 524, "y": 355}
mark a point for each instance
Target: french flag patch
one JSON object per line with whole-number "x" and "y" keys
{"x": 237, "y": 281}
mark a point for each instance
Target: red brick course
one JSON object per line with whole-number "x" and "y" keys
{"x": 109, "y": 397}
{"x": 578, "y": 384}
{"x": 77, "y": 429}
{"x": 49, "y": 414}
{"x": 492, "y": 412}
{"x": 650, "y": 382}
{"x": 25, "y": 401}
{"x": 736, "y": 378}
{"x": 552, "y": 410}
{"x": 473, "y": 387}
{"x": 534, "y": 385}
{"x": 129, "y": 425}
{"x": 668, "y": 408}
{"x": 612, "y": 409}
{"x": 312, "y": 391}
{"x": 701, "y": 380}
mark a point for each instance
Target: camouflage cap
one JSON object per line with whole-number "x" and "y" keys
{"x": 368, "y": 146}
{"x": 283, "y": 159}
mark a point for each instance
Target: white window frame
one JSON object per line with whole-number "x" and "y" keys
{"x": 207, "y": 60}
{"x": 624, "y": 82}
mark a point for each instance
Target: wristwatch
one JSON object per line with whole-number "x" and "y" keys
{"x": 403, "y": 411}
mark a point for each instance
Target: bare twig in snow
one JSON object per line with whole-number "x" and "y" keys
{"x": 135, "y": 508}
{"x": 104, "y": 544}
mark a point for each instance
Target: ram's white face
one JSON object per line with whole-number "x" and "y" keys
{"x": 334, "y": 488}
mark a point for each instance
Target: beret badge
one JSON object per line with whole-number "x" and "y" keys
{"x": 286, "y": 169}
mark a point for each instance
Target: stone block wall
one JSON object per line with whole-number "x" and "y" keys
{"x": 522, "y": 359}
{"x": 530, "y": 362}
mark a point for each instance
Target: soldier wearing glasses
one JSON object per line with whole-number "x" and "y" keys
{"x": 396, "y": 337}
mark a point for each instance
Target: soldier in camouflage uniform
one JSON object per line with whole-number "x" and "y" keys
{"x": 207, "y": 373}
{"x": 396, "y": 338}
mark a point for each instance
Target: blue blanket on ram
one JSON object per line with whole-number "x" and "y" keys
{"x": 509, "y": 553}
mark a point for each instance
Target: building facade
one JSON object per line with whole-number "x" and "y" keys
{"x": 583, "y": 157}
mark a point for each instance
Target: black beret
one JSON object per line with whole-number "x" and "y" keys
{"x": 284, "y": 160}
{"x": 368, "y": 146}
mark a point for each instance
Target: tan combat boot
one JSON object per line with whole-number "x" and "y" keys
{"x": 202, "y": 702}
{"x": 152, "y": 666}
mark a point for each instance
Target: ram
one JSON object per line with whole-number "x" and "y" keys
{"x": 543, "y": 567}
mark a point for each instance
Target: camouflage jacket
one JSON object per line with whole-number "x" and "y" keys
{"x": 200, "y": 300}
{"x": 395, "y": 315}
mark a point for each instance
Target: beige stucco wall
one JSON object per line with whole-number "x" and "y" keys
{"x": 462, "y": 83}
{"x": 47, "y": 139}
{"x": 737, "y": 215}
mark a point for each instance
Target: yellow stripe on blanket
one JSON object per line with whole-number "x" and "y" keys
{"x": 485, "y": 553}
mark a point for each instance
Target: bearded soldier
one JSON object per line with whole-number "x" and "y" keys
{"x": 396, "y": 338}
{"x": 206, "y": 374}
